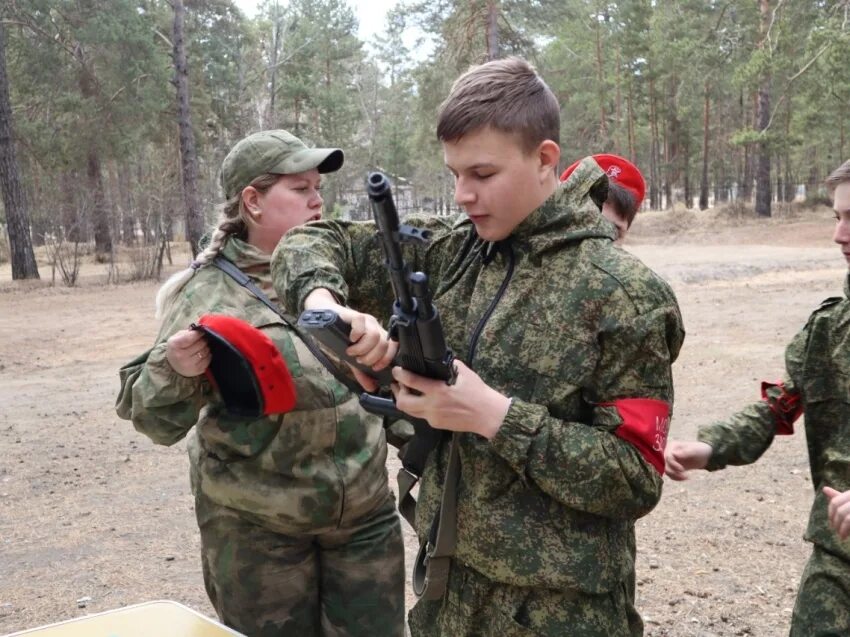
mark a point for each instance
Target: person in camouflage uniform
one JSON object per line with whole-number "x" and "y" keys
{"x": 817, "y": 363}
{"x": 299, "y": 533}
{"x": 562, "y": 423}
{"x": 626, "y": 189}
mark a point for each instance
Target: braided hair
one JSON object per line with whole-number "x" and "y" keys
{"x": 231, "y": 223}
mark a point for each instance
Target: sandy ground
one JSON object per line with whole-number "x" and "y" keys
{"x": 93, "y": 516}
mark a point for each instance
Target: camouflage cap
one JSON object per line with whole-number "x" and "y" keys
{"x": 273, "y": 151}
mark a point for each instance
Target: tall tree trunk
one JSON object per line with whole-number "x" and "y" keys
{"x": 128, "y": 212}
{"x": 790, "y": 187}
{"x": 671, "y": 149}
{"x": 618, "y": 107}
{"x": 686, "y": 169}
{"x": 297, "y": 116}
{"x": 274, "y": 56}
{"x": 654, "y": 156}
{"x": 14, "y": 199}
{"x": 188, "y": 158}
{"x": 747, "y": 180}
{"x": 492, "y": 30}
{"x": 763, "y": 186}
{"x": 703, "y": 184}
{"x": 631, "y": 122}
{"x": 70, "y": 207}
{"x": 600, "y": 85}
{"x": 99, "y": 214}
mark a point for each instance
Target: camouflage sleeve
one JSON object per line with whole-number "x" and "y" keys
{"x": 161, "y": 403}
{"x": 590, "y": 467}
{"x": 745, "y": 436}
{"x": 345, "y": 258}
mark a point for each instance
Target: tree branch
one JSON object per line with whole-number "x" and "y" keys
{"x": 796, "y": 75}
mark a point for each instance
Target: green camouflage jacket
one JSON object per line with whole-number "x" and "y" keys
{"x": 574, "y": 322}
{"x": 316, "y": 468}
{"x": 817, "y": 363}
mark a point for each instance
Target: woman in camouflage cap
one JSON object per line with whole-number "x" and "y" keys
{"x": 299, "y": 534}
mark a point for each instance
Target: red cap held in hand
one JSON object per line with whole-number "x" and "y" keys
{"x": 246, "y": 367}
{"x": 618, "y": 169}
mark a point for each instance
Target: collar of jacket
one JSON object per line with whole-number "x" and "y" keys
{"x": 253, "y": 262}
{"x": 847, "y": 286}
{"x": 568, "y": 216}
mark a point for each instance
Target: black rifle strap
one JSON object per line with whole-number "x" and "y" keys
{"x": 230, "y": 269}
{"x": 431, "y": 570}
{"x": 413, "y": 455}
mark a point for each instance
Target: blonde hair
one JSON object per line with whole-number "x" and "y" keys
{"x": 231, "y": 222}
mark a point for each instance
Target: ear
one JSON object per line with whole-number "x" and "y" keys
{"x": 251, "y": 202}
{"x": 549, "y": 154}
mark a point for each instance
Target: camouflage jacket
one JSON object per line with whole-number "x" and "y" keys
{"x": 817, "y": 363}
{"x": 559, "y": 319}
{"x": 318, "y": 467}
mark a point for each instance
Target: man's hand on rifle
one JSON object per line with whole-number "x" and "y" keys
{"x": 369, "y": 342}
{"x": 467, "y": 405}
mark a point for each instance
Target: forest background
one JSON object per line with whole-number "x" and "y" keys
{"x": 114, "y": 116}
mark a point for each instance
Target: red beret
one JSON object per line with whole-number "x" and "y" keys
{"x": 618, "y": 169}
{"x": 246, "y": 367}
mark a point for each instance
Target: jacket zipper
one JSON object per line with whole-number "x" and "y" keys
{"x": 473, "y": 344}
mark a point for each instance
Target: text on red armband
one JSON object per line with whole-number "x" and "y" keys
{"x": 645, "y": 425}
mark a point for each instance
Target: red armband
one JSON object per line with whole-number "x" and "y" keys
{"x": 645, "y": 425}
{"x": 786, "y": 407}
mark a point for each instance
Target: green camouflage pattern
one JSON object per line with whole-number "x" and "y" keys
{"x": 319, "y": 469}
{"x": 822, "y": 608}
{"x": 347, "y": 582}
{"x": 475, "y": 606}
{"x": 276, "y": 152}
{"x": 817, "y": 363}
{"x": 551, "y": 501}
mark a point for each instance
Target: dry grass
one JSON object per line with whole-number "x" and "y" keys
{"x": 730, "y": 223}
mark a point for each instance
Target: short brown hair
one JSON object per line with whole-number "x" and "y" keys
{"x": 506, "y": 94}
{"x": 624, "y": 202}
{"x": 838, "y": 177}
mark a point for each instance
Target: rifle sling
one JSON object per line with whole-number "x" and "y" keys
{"x": 233, "y": 271}
{"x": 433, "y": 562}
{"x": 413, "y": 456}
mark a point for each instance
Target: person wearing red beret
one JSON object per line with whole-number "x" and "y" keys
{"x": 626, "y": 189}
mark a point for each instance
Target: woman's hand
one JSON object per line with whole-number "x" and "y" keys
{"x": 187, "y": 353}
{"x": 370, "y": 344}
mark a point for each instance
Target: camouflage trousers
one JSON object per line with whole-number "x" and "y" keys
{"x": 475, "y": 606}
{"x": 345, "y": 583}
{"x": 822, "y": 608}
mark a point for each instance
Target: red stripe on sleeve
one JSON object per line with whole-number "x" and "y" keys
{"x": 645, "y": 425}
{"x": 786, "y": 407}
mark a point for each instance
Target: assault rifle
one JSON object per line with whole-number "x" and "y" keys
{"x": 415, "y": 324}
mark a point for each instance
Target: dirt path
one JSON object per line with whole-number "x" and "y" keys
{"x": 93, "y": 516}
